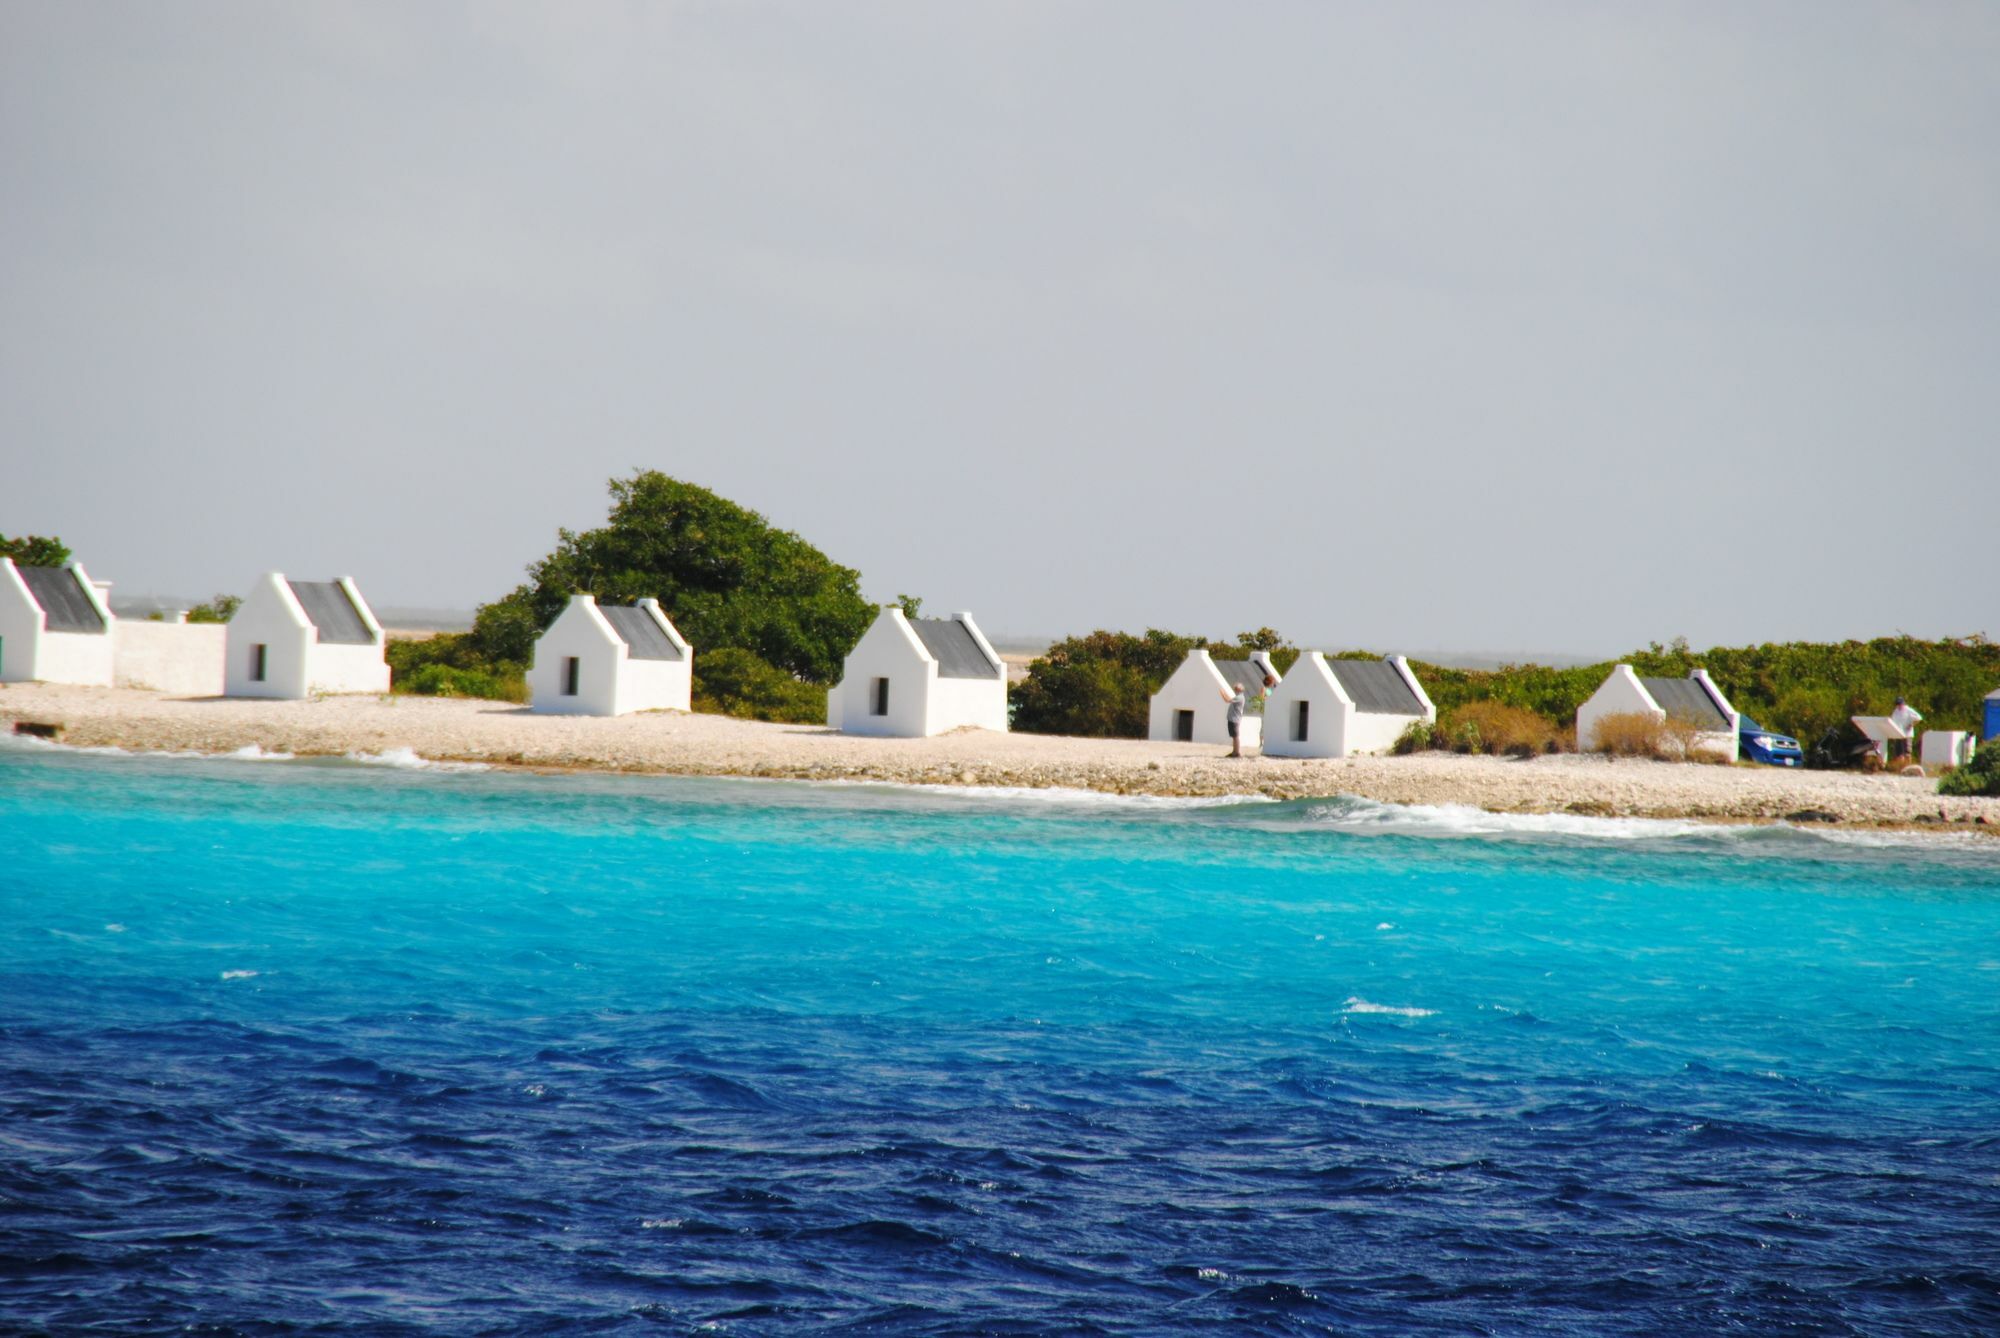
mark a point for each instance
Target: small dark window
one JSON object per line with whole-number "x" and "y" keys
{"x": 1299, "y": 725}
{"x": 881, "y": 698}
{"x": 257, "y": 658}
{"x": 572, "y": 668}
{"x": 1184, "y": 726}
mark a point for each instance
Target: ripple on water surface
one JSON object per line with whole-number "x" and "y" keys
{"x": 394, "y": 1049}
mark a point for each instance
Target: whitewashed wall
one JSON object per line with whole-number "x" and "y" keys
{"x": 268, "y": 616}
{"x": 1335, "y": 727}
{"x": 178, "y": 659}
{"x": 1622, "y": 693}
{"x": 609, "y": 680}
{"x": 20, "y": 628}
{"x": 296, "y": 665}
{"x": 29, "y": 653}
{"x": 888, "y": 649}
{"x": 957, "y": 702}
{"x": 1198, "y": 686}
{"x": 920, "y": 702}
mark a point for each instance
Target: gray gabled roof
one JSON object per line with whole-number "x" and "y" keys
{"x": 636, "y": 628}
{"x": 330, "y": 610}
{"x": 1685, "y": 699}
{"x": 1245, "y": 674}
{"x": 1375, "y": 686}
{"x": 60, "y": 593}
{"x": 952, "y": 645}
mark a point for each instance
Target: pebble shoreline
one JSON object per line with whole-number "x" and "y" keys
{"x": 672, "y": 743}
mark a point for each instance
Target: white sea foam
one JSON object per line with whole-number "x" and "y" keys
{"x": 408, "y": 759}
{"x": 1365, "y": 815}
{"x": 1074, "y": 797}
{"x": 239, "y": 975}
{"x": 1358, "y": 1005}
{"x": 251, "y": 752}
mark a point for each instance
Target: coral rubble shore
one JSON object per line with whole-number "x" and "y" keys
{"x": 671, "y": 743}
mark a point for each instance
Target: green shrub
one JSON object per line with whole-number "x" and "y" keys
{"x": 1980, "y": 776}
{"x": 218, "y": 610}
{"x": 736, "y": 682}
{"x": 441, "y": 680}
{"x": 450, "y": 665}
{"x": 1417, "y": 736}
{"x": 35, "y": 550}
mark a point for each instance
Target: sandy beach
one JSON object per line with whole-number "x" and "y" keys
{"x": 497, "y": 733}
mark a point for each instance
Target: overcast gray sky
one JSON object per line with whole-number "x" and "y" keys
{"x": 1514, "y": 327}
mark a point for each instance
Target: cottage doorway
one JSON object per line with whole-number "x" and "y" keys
{"x": 1184, "y": 726}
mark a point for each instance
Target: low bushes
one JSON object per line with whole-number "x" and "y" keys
{"x": 1631, "y": 734}
{"x": 1486, "y": 727}
{"x": 1980, "y": 776}
{"x": 1495, "y": 727}
{"x": 736, "y": 682}
{"x": 441, "y": 680}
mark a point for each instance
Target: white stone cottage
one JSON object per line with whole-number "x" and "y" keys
{"x": 915, "y": 677}
{"x": 55, "y": 626}
{"x": 606, "y": 659}
{"x": 294, "y": 639}
{"x": 1695, "y": 698}
{"x": 1190, "y": 706}
{"x": 1336, "y": 708}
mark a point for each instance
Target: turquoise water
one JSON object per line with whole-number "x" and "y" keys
{"x": 290, "y": 1046}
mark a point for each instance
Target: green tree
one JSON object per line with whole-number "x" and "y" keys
{"x": 1097, "y": 686}
{"x": 728, "y": 577}
{"x": 218, "y": 610}
{"x": 34, "y": 550}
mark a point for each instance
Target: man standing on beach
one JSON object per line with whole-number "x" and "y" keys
{"x": 1237, "y": 701}
{"x": 1905, "y": 718}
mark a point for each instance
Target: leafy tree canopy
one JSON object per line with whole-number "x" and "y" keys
{"x": 1102, "y": 685}
{"x": 728, "y": 578}
{"x": 34, "y": 550}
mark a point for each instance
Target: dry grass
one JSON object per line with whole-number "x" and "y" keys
{"x": 1631, "y": 734}
{"x": 1490, "y": 727}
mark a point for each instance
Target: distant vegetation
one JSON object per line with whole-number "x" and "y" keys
{"x": 1101, "y": 684}
{"x": 217, "y": 610}
{"x": 771, "y": 617}
{"x": 34, "y": 550}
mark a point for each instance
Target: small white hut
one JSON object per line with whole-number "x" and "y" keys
{"x": 604, "y": 659}
{"x": 293, "y": 639}
{"x": 55, "y": 626}
{"x": 1336, "y": 708}
{"x": 1695, "y": 699}
{"x": 915, "y": 677}
{"x": 1192, "y": 705}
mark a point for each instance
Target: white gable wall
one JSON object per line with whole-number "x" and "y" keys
{"x": 609, "y": 680}
{"x": 1198, "y": 686}
{"x": 920, "y": 702}
{"x": 888, "y": 649}
{"x": 1335, "y": 727}
{"x": 31, "y": 653}
{"x": 296, "y": 665}
{"x": 1622, "y": 693}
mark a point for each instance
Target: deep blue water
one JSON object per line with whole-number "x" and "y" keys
{"x": 291, "y": 1047}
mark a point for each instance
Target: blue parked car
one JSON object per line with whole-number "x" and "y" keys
{"x": 1762, "y": 745}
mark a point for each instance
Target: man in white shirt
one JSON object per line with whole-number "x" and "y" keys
{"x": 1905, "y": 718}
